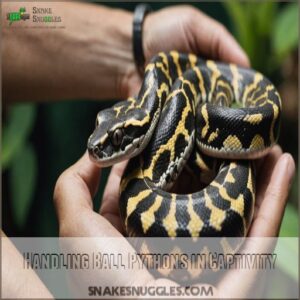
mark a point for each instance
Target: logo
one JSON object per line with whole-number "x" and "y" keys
{"x": 17, "y": 16}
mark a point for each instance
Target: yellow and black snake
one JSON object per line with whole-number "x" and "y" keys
{"x": 186, "y": 101}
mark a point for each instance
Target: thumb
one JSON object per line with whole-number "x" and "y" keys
{"x": 76, "y": 187}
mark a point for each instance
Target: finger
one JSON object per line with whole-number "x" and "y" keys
{"x": 264, "y": 173}
{"x": 213, "y": 40}
{"x": 89, "y": 172}
{"x": 76, "y": 187}
{"x": 19, "y": 282}
{"x": 267, "y": 221}
{"x": 266, "y": 224}
{"x": 73, "y": 195}
{"x": 110, "y": 202}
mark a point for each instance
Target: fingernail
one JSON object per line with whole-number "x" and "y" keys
{"x": 238, "y": 54}
{"x": 242, "y": 56}
{"x": 277, "y": 148}
{"x": 289, "y": 166}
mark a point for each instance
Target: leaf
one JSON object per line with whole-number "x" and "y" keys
{"x": 22, "y": 182}
{"x": 20, "y": 121}
{"x": 289, "y": 225}
{"x": 288, "y": 247}
{"x": 241, "y": 20}
{"x": 285, "y": 36}
{"x": 238, "y": 18}
{"x": 288, "y": 252}
{"x": 264, "y": 16}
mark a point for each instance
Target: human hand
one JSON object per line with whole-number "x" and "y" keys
{"x": 186, "y": 29}
{"x": 73, "y": 196}
{"x": 76, "y": 187}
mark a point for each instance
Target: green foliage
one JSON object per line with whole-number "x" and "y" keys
{"x": 265, "y": 16}
{"x": 288, "y": 258}
{"x": 289, "y": 225}
{"x": 19, "y": 156}
{"x": 286, "y": 31}
{"x": 268, "y": 34}
{"x": 16, "y": 131}
{"x": 240, "y": 18}
{"x": 22, "y": 183}
{"x": 288, "y": 247}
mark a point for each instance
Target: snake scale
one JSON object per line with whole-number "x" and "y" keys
{"x": 189, "y": 112}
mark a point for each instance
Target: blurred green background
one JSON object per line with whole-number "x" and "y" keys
{"x": 40, "y": 141}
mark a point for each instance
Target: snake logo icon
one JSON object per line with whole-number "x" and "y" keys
{"x": 17, "y": 16}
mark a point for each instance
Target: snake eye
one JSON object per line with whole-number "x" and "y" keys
{"x": 97, "y": 122}
{"x": 117, "y": 137}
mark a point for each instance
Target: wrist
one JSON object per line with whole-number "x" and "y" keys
{"x": 123, "y": 59}
{"x": 140, "y": 12}
{"x": 147, "y": 39}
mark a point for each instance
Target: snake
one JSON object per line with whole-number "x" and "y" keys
{"x": 203, "y": 115}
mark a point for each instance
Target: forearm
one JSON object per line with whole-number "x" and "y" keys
{"x": 87, "y": 59}
{"x": 19, "y": 282}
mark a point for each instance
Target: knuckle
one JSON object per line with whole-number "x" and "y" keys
{"x": 216, "y": 39}
{"x": 59, "y": 186}
{"x": 221, "y": 28}
{"x": 273, "y": 193}
{"x": 119, "y": 169}
{"x": 218, "y": 33}
{"x": 56, "y": 190}
{"x": 189, "y": 13}
{"x": 264, "y": 219}
{"x": 104, "y": 206}
{"x": 187, "y": 8}
{"x": 64, "y": 230}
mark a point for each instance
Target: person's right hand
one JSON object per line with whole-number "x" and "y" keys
{"x": 185, "y": 29}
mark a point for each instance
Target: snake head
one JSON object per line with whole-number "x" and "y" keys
{"x": 119, "y": 135}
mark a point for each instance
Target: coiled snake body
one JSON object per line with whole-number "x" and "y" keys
{"x": 185, "y": 101}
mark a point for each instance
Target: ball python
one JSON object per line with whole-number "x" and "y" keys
{"x": 188, "y": 110}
